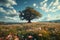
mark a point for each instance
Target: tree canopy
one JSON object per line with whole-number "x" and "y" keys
{"x": 29, "y": 14}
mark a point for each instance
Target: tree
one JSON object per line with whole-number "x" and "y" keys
{"x": 29, "y": 14}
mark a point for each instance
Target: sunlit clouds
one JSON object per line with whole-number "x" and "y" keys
{"x": 53, "y": 7}
{"x": 49, "y": 8}
{"x": 7, "y": 3}
{"x": 10, "y": 13}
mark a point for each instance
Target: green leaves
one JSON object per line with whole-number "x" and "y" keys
{"x": 29, "y": 13}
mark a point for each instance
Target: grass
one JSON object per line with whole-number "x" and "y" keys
{"x": 45, "y": 28}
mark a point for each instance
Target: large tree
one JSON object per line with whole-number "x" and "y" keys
{"x": 29, "y": 14}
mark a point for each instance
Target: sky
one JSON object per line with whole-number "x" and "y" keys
{"x": 9, "y": 9}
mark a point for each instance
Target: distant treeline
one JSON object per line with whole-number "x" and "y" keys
{"x": 9, "y": 23}
{"x": 2, "y": 22}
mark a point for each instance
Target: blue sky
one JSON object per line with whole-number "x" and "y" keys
{"x": 50, "y": 9}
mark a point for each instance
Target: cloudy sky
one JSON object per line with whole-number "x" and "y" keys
{"x": 50, "y": 9}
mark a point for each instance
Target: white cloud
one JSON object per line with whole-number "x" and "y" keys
{"x": 56, "y": 3}
{"x": 13, "y": 11}
{"x": 45, "y": 5}
{"x": 52, "y": 7}
{"x": 50, "y": 4}
{"x": 7, "y": 3}
{"x": 58, "y": 7}
{"x": 12, "y": 18}
{"x": 44, "y": 9}
{"x": 43, "y": 2}
{"x": 9, "y": 14}
{"x": 55, "y": 17}
{"x": 49, "y": 15}
{"x": 34, "y": 4}
{"x": 1, "y": 9}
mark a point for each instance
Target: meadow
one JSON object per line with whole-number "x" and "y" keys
{"x": 39, "y": 31}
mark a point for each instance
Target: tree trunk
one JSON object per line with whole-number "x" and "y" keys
{"x": 29, "y": 21}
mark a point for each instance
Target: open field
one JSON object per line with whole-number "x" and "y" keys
{"x": 46, "y": 29}
{"x": 32, "y": 26}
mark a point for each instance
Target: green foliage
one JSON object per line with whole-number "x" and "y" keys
{"x": 29, "y": 14}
